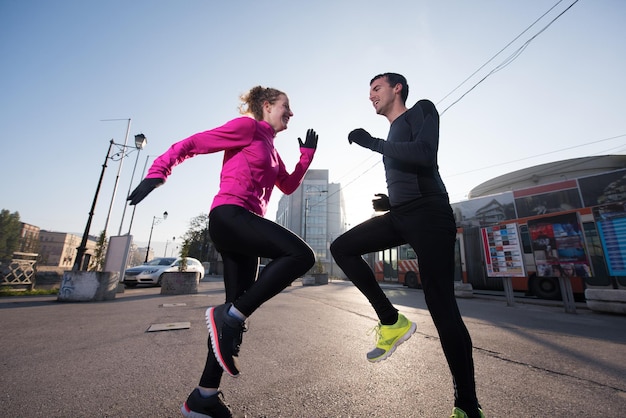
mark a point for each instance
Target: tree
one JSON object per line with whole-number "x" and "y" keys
{"x": 10, "y": 227}
{"x": 97, "y": 262}
{"x": 198, "y": 239}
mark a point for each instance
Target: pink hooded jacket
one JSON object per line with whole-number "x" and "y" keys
{"x": 251, "y": 166}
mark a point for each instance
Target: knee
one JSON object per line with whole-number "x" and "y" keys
{"x": 306, "y": 256}
{"x": 336, "y": 248}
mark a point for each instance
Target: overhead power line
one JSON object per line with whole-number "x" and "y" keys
{"x": 511, "y": 58}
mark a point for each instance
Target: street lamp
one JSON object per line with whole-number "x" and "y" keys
{"x": 155, "y": 221}
{"x": 82, "y": 249}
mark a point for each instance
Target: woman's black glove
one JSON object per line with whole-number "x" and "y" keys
{"x": 144, "y": 188}
{"x": 382, "y": 203}
{"x": 310, "y": 141}
{"x": 363, "y": 138}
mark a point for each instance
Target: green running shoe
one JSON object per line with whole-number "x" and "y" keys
{"x": 389, "y": 337}
{"x": 459, "y": 413}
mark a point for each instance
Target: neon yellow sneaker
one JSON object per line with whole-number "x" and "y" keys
{"x": 389, "y": 337}
{"x": 459, "y": 413}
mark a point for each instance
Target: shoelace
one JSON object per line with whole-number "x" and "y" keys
{"x": 375, "y": 330}
{"x": 237, "y": 341}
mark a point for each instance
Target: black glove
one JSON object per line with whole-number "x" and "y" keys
{"x": 144, "y": 188}
{"x": 363, "y": 138}
{"x": 311, "y": 140}
{"x": 382, "y": 203}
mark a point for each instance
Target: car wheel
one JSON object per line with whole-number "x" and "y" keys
{"x": 159, "y": 280}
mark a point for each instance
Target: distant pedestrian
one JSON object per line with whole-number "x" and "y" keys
{"x": 418, "y": 212}
{"x": 251, "y": 168}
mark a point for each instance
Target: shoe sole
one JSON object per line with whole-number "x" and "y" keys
{"x": 402, "y": 339}
{"x": 188, "y": 413}
{"x": 210, "y": 322}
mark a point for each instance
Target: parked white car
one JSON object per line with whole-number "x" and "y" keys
{"x": 152, "y": 272}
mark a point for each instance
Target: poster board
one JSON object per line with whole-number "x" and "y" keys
{"x": 502, "y": 251}
{"x": 117, "y": 254}
{"x": 611, "y": 222}
{"x": 558, "y": 246}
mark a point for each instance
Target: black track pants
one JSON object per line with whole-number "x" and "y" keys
{"x": 242, "y": 237}
{"x": 428, "y": 225}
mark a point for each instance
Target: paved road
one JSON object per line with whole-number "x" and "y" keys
{"x": 304, "y": 356}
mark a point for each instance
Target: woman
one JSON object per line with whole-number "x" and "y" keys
{"x": 251, "y": 168}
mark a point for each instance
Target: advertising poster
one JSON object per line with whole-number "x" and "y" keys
{"x": 611, "y": 222}
{"x": 503, "y": 253}
{"x": 558, "y": 246}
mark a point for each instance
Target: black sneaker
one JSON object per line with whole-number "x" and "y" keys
{"x": 212, "y": 407}
{"x": 226, "y": 333}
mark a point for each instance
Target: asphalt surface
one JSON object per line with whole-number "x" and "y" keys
{"x": 304, "y": 356}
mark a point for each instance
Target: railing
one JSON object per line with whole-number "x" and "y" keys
{"x": 20, "y": 271}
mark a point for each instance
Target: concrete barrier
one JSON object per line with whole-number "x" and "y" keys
{"x": 606, "y": 300}
{"x": 88, "y": 286}
{"x": 179, "y": 283}
{"x": 463, "y": 290}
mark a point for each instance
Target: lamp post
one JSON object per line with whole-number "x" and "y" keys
{"x": 155, "y": 221}
{"x": 82, "y": 249}
{"x": 167, "y": 242}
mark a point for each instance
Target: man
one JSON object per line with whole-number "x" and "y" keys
{"x": 418, "y": 213}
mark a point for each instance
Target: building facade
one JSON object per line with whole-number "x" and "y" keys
{"x": 29, "y": 239}
{"x": 315, "y": 212}
{"x": 59, "y": 249}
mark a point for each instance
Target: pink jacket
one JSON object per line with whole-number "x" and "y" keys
{"x": 251, "y": 166}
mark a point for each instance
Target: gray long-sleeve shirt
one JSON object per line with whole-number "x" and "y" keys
{"x": 410, "y": 155}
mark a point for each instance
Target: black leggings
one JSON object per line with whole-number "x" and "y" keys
{"x": 428, "y": 225}
{"x": 242, "y": 237}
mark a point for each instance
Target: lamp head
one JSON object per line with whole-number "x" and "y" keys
{"x": 165, "y": 215}
{"x": 140, "y": 141}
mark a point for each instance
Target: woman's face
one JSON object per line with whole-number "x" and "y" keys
{"x": 278, "y": 113}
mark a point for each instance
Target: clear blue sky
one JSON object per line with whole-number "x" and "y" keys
{"x": 178, "y": 67}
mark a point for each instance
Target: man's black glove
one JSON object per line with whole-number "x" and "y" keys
{"x": 144, "y": 188}
{"x": 363, "y": 138}
{"x": 311, "y": 140}
{"x": 382, "y": 203}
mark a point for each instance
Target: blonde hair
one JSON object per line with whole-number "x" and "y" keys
{"x": 252, "y": 101}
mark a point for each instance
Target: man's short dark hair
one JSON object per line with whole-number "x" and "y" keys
{"x": 392, "y": 80}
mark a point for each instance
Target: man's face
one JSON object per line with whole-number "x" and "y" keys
{"x": 382, "y": 95}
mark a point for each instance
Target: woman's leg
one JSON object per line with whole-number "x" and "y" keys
{"x": 241, "y": 237}
{"x": 239, "y": 274}
{"x": 372, "y": 235}
{"x": 235, "y": 230}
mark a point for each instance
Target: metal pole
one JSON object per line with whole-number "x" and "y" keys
{"x": 83, "y": 244}
{"x": 130, "y": 186}
{"x": 150, "y": 239}
{"x": 135, "y": 207}
{"x": 306, "y": 209}
{"x": 119, "y": 169}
